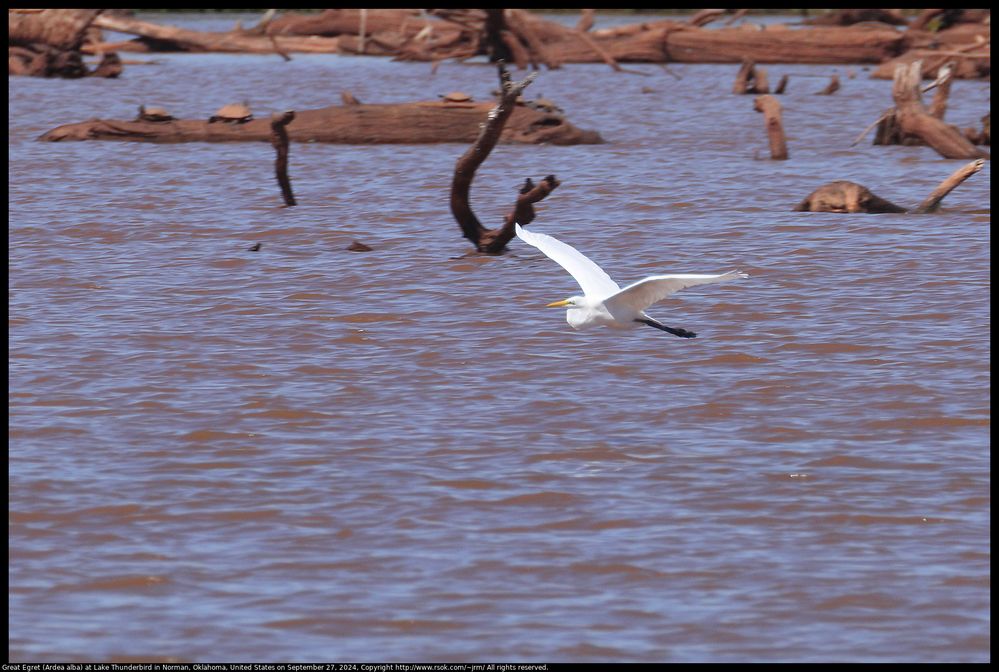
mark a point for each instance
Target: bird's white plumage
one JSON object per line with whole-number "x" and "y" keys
{"x": 591, "y": 278}
{"x": 604, "y": 302}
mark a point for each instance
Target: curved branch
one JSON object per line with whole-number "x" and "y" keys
{"x": 489, "y": 134}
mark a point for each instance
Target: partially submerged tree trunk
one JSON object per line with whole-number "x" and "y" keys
{"x": 494, "y": 241}
{"x": 770, "y": 107}
{"x": 850, "y": 197}
{"x": 831, "y": 88}
{"x": 845, "y": 196}
{"x": 749, "y": 79}
{"x": 911, "y": 118}
{"x": 411, "y": 123}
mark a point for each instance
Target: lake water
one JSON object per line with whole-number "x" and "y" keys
{"x": 304, "y": 453}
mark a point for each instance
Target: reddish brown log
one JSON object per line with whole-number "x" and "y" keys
{"x": 411, "y": 123}
{"x": 855, "y": 44}
{"x": 771, "y": 110}
{"x": 333, "y": 22}
{"x": 279, "y": 139}
{"x": 494, "y": 241}
{"x": 169, "y": 38}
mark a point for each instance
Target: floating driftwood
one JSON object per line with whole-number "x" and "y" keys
{"x": 494, "y": 241}
{"x": 409, "y": 123}
{"x": 849, "y": 197}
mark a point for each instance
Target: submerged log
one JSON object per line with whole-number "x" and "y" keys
{"x": 849, "y": 197}
{"x": 845, "y": 196}
{"x": 494, "y": 241}
{"x": 416, "y": 123}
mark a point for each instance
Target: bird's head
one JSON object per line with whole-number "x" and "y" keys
{"x": 569, "y": 304}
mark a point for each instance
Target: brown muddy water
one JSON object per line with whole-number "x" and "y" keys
{"x": 305, "y": 453}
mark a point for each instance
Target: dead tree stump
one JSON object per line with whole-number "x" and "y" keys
{"x": 910, "y": 118}
{"x": 494, "y": 241}
{"x": 750, "y": 79}
{"x": 831, "y": 88}
{"x": 279, "y": 138}
{"x": 770, "y": 107}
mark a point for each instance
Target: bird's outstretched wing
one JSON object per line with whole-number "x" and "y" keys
{"x": 655, "y": 288}
{"x": 591, "y": 278}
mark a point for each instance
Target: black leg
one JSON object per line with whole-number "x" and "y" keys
{"x": 682, "y": 333}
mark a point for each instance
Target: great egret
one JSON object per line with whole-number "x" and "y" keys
{"x": 604, "y": 302}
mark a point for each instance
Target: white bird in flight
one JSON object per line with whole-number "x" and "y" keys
{"x": 604, "y": 302}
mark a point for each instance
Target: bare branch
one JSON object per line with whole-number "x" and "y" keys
{"x": 932, "y": 202}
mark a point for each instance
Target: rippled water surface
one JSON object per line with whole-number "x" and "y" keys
{"x": 306, "y": 453}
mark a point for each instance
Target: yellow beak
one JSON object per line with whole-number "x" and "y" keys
{"x": 558, "y": 304}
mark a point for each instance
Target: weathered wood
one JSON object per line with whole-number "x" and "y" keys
{"x": 494, "y": 241}
{"x": 169, "y": 38}
{"x": 62, "y": 29}
{"x": 749, "y": 79}
{"x": 279, "y": 139}
{"x": 932, "y": 202}
{"x": 771, "y": 109}
{"x": 913, "y": 118}
{"x": 411, "y": 123}
{"x": 831, "y": 88}
{"x": 938, "y": 106}
{"x": 855, "y": 44}
{"x": 969, "y": 61}
{"x": 847, "y": 197}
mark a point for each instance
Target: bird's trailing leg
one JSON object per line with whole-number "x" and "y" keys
{"x": 682, "y": 333}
